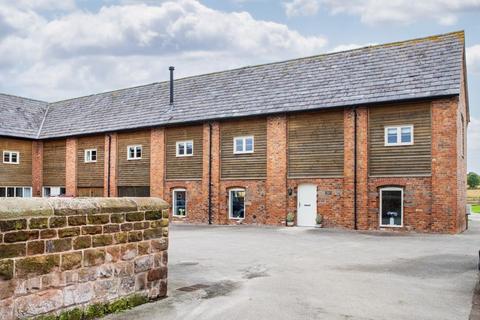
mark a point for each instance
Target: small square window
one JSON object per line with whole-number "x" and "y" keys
{"x": 243, "y": 145}
{"x": 12, "y": 157}
{"x": 90, "y": 155}
{"x": 399, "y": 135}
{"x": 134, "y": 152}
{"x": 184, "y": 148}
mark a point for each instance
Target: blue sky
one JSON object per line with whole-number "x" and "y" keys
{"x": 53, "y": 50}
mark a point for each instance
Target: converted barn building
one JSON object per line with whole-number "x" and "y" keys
{"x": 369, "y": 138}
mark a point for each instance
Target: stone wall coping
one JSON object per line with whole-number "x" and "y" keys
{"x": 11, "y": 208}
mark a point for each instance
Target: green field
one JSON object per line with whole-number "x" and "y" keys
{"x": 476, "y": 208}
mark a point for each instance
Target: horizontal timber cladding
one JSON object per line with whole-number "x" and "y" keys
{"x": 54, "y": 154}
{"x": 413, "y": 159}
{"x": 315, "y": 144}
{"x": 246, "y": 165}
{"x": 133, "y": 191}
{"x": 90, "y": 192}
{"x": 189, "y": 167}
{"x": 16, "y": 174}
{"x": 133, "y": 172}
{"x": 90, "y": 174}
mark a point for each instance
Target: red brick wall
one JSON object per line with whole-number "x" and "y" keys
{"x": 71, "y": 167}
{"x": 196, "y": 210}
{"x": 110, "y": 148}
{"x": 157, "y": 162}
{"x": 255, "y": 206}
{"x": 37, "y": 168}
{"x": 417, "y": 199}
{"x": 276, "y": 183}
{"x": 330, "y": 200}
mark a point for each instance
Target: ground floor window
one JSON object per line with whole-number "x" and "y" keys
{"x": 236, "y": 206}
{"x": 53, "y": 192}
{"x": 134, "y": 191}
{"x": 15, "y": 192}
{"x": 180, "y": 202}
{"x": 391, "y": 207}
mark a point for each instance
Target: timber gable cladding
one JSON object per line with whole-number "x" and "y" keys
{"x": 16, "y": 174}
{"x": 90, "y": 174}
{"x": 186, "y": 167}
{"x": 134, "y": 173}
{"x": 54, "y": 161}
{"x": 415, "y": 159}
{"x": 244, "y": 165}
{"x": 315, "y": 144}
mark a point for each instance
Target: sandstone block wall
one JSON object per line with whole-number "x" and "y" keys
{"x": 60, "y": 254}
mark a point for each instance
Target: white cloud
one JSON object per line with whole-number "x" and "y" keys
{"x": 350, "y": 46}
{"x": 473, "y": 58}
{"x": 79, "y": 52}
{"x": 444, "y": 12}
{"x": 301, "y": 7}
{"x": 473, "y": 150}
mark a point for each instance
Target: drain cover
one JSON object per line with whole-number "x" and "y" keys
{"x": 195, "y": 287}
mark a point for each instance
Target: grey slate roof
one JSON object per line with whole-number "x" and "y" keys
{"x": 21, "y": 117}
{"x": 420, "y": 68}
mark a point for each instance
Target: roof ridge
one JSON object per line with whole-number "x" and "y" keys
{"x": 460, "y": 32}
{"x": 25, "y": 98}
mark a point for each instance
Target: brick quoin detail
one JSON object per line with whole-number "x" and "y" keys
{"x": 71, "y": 167}
{"x": 215, "y": 168}
{"x": 37, "y": 168}
{"x": 362, "y": 168}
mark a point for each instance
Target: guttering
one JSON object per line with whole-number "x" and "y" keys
{"x": 209, "y": 173}
{"x": 109, "y": 166}
{"x": 355, "y": 227}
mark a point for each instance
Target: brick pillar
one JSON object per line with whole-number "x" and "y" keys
{"x": 157, "y": 162}
{"x": 276, "y": 184}
{"x": 215, "y": 170}
{"x": 110, "y": 162}
{"x": 347, "y": 218}
{"x": 37, "y": 168}
{"x": 362, "y": 169}
{"x": 444, "y": 165}
{"x": 71, "y": 167}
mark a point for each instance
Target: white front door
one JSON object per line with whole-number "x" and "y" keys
{"x": 307, "y": 205}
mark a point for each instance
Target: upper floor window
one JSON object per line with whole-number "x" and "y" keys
{"x": 399, "y": 135}
{"x": 11, "y": 157}
{"x": 243, "y": 144}
{"x": 134, "y": 152}
{"x": 91, "y": 155}
{"x": 184, "y": 148}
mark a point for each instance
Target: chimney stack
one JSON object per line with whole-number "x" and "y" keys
{"x": 171, "y": 84}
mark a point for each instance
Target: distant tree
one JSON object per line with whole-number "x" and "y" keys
{"x": 473, "y": 180}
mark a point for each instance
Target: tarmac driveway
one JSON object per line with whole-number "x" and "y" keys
{"x": 300, "y": 273}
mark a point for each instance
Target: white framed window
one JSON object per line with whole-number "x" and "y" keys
{"x": 236, "y": 203}
{"x": 179, "y": 197}
{"x": 90, "y": 155}
{"x": 243, "y": 144}
{"x": 134, "y": 152}
{"x": 11, "y": 157}
{"x": 15, "y": 192}
{"x": 184, "y": 148}
{"x": 391, "y": 207}
{"x": 53, "y": 192}
{"x": 399, "y": 135}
